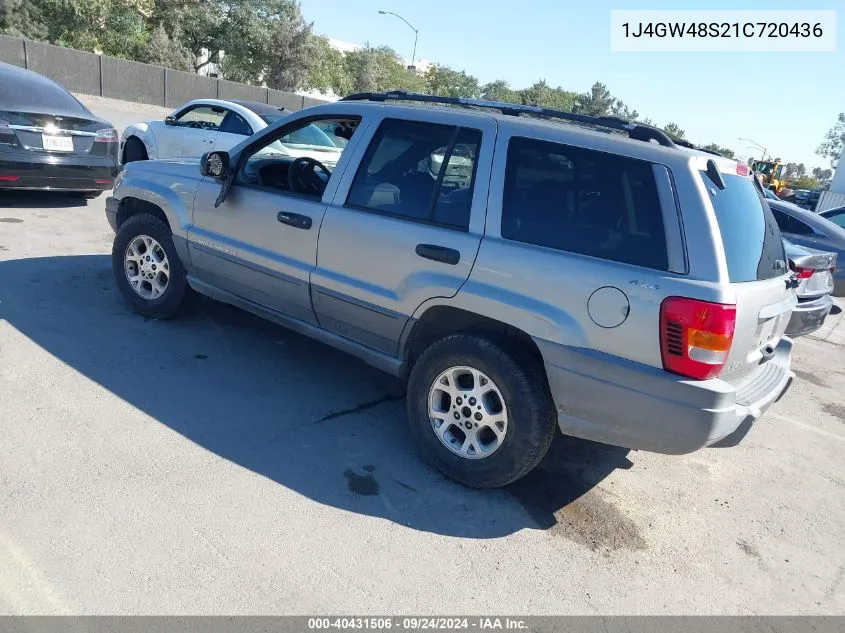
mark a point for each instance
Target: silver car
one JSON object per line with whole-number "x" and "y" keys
{"x": 814, "y": 271}
{"x": 812, "y": 230}
{"x": 526, "y": 274}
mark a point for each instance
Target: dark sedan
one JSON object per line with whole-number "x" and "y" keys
{"x": 809, "y": 229}
{"x": 49, "y": 140}
{"x": 837, "y": 216}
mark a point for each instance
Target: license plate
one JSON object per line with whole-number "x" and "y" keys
{"x": 766, "y": 330}
{"x": 57, "y": 143}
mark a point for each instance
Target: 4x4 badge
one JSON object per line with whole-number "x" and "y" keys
{"x": 641, "y": 284}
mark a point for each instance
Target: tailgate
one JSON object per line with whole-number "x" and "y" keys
{"x": 763, "y": 309}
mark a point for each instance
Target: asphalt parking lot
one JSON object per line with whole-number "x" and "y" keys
{"x": 218, "y": 464}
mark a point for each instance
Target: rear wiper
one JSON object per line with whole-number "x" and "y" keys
{"x": 715, "y": 175}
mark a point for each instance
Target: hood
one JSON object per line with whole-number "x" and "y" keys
{"x": 170, "y": 168}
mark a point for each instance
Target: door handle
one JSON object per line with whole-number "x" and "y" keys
{"x": 439, "y": 253}
{"x": 295, "y": 220}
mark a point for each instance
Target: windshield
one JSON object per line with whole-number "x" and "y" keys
{"x": 764, "y": 168}
{"x": 779, "y": 172}
{"x": 308, "y": 135}
{"x": 750, "y": 235}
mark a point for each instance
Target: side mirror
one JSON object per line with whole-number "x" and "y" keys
{"x": 215, "y": 164}
{"x": 170, "y": 120}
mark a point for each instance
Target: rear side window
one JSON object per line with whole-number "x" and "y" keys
{"x": 750, "y": 235}
{"x": 583, "y": 201}
{"x": 234, "y": 123}
{"x": 788, "y": 224}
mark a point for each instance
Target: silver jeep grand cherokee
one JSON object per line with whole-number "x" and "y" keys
{"x": 523, "y": 272}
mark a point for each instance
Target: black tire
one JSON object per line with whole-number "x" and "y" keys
{"x": 524, "y": 387}
{"x": 134, "y": 150}
{"x": 177, "y": 292}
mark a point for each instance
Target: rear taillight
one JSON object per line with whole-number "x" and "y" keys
{"x": 803, "y": 273}
{"x": 106, "y": 135}
{"x": 695, "y": 336}
{"x": 7, "y": 134}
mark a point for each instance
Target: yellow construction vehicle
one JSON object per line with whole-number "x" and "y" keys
{"x": 770, "y": 173}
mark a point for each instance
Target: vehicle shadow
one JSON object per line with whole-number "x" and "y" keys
{"x": 306, "y": 416}
{"x": 40, "y": 200}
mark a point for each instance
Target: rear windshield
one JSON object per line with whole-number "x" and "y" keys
{"x": 24, "y": 93}
{"x": 751, "y": 237}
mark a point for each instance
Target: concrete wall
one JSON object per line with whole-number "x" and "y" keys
{"x": 285, "y": 99}
{"x": 132, "y": 81}
{"x": 232, "y": 90}
{"x": 75, "y": 70}
{"x": 103, "y": 76}
{"x": 12, "y": 51}
{"x": 182, "y": 87}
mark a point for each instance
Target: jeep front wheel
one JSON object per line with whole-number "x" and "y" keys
{"x": 480, "y": 413}
{"x": 147, "y": 267}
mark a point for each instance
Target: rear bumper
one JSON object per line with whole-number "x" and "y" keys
{"x": 607, "y": 399}
{"x": 809, "y": 316}
{"x": 57, "y": 173}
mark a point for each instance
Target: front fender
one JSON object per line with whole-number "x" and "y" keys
{"x": 143, "y": 132}
{"x": 169, "y": 186}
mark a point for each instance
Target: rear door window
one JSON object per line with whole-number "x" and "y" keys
{"x": 583, "y": 201}
{"x": 750, "y": 235}
{"x": 419, "y": 171}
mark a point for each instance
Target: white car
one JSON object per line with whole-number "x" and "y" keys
{"x": 203, "y": 125}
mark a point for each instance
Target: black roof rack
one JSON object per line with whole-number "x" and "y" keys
{"x": 635, "y": 130}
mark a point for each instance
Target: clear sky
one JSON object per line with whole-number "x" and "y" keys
{"x": 783, "y": 101}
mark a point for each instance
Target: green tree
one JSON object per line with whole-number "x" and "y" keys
{"x": 834, "y": 141}
{"x": 597, "y": 102}
{"x": 724, "y": 151}
{"x": 161, "y": 50}
{"x": 800, "y": 170}
{"x": 790, "y": 171}
{"x": 264, "y": 41}
{"x": 195, "y": 24}
{"x": 804, "y": 182}
{"x": 621, "y": 110}
{"x": 822, "y": 175}
{"x": 444, "y": 81}
{"x": 673, "y": 129}
{"x": 23, "y": 18}
{"x": 328, "y": 72}
{"x": 392, "y": 74}
{"x": 362, "y": 69}
{"x": 543, "y": 95}
{"x": 112, "y": 27}
{"x": 500, "y": 91}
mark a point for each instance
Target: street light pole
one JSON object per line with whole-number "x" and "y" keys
{"x": 756, "y": 144}
{"x": 413, "y": 28}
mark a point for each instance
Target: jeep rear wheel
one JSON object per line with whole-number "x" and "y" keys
{"x": 147, "y": 268}
{"x": 480, "y": 413}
